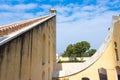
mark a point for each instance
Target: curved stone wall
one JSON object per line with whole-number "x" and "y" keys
{"x": 103, "y": 58}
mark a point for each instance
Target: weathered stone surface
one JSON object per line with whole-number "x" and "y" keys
{"x": 21, "y": 57}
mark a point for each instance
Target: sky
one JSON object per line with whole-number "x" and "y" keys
{"x": 77, "y": 20}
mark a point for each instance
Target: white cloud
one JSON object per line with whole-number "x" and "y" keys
{"x": 103, "y": 2}
{"x": 14, "y": 13}
{"x": 113, "y": 3}
{"x": 76, "y": 22}
{"x": 18, "y": 7}
{"x": 10, "y": 17}
{"x": 82, "y": 23}
{"x": 40, "y": 13}
{"x": 25, "y": 6}
{"x": 45, "y": 7}
{"x": 88, "y": 8}
{"x": 18, "y": 12}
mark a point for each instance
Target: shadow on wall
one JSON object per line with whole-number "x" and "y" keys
{"x": 57, "y": 70}
{"x": 3, "y": 38}
{"x": 118, "y": 72}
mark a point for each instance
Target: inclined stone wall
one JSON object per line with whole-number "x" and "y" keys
{"x": 117, "y": 42}
{"x": 6, "y": 30}
{"x": 22, "y": 57}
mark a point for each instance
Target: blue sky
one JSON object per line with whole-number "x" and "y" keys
{"x": 77, "y": 20}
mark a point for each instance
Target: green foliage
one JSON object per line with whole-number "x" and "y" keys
{"x": 70, "y": 61}
{"x": 80, "y": 49}
{"x": 69, "y": 51}
{"x": 85, "y": 55}
{"x": 91, "y": 52}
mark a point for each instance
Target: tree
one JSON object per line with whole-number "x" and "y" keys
{"x": 91, "y": 52}
{"x": 81, "y": 47}
{"x": 69, "y": 51}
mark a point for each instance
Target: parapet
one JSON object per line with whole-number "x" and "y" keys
{"x": 115, "y": 18}
{"x": 6, "y": 30}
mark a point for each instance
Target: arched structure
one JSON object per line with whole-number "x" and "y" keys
{"x": 43, "y": 76}
{"x": 49, "y": 50}
{"x": 85, "y": 78}
{"x": 43, "y": 49}
{"x": 102, "y": 64}
{"x": 118, "y": 72}
{"x": 102, "y": 74}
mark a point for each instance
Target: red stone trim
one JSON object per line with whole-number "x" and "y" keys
{"x": 6, "y": 30}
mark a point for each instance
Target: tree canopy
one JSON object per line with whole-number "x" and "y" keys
{"x": 80, "y": 49}
{"x": 69, "y": 51}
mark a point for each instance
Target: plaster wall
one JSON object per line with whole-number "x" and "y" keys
{"x": 22, "y": 57}
{"x": 108, "y": 61}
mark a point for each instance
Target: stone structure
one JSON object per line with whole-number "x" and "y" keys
{"x": 6, "y": 30}
{"x": 60, "y": 58}
{"x": 53, "y": 11}
{"x": 27, "y": 52}
{"x": 103, "y": 65}
{"x": 27, "y": 49}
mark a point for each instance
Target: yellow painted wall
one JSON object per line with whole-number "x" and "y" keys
{"x": 107, "y": 61}
{"x": 68, "y": 59}
{"x": 117, "y": 40}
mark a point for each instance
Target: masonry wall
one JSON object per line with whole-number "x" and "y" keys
{"x": 117, "y": 42}
{"x": 31, "y": 55}
{"x": 92, "y": 73}
{"x": 107, "y": 67}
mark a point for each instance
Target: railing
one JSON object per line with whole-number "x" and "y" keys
{"x": 6, "y": 30}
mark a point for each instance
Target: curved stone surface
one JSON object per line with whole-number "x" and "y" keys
{"x": 78, "y": 68}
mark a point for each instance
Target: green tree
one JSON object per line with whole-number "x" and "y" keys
{"x": 81, "y": 47}
{"x": 85, "y": 55}
{"x": 69, "y": 51}
{"x": 91, "y": 52}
